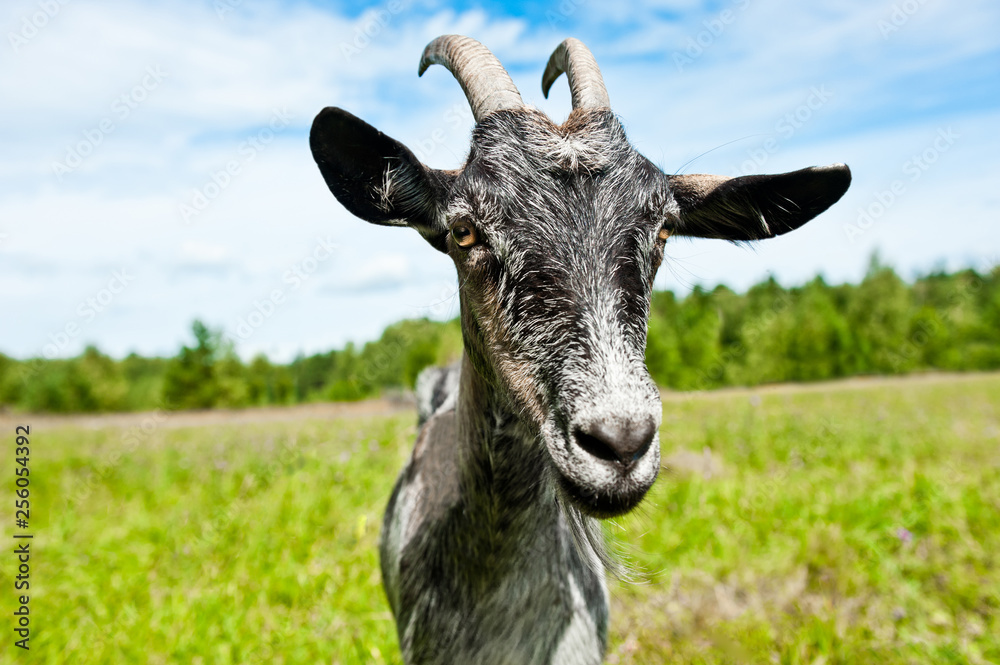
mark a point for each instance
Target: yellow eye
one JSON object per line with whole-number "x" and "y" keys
{"x": 664, "y": 233}
{"x": 464, "y": 235}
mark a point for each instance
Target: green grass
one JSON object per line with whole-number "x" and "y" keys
{"x": 850, "y": 525}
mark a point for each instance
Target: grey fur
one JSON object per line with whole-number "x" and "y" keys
{"x": 486, "y": 558}
{"x": 435, "y": 387}
{"x": 491, "y": 552}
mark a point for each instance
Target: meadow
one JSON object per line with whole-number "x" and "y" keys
{"x": 846, "y": 522}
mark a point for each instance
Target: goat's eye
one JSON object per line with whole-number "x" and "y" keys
{"x": 664, "y": 233}
{"x": 464, "y": 235}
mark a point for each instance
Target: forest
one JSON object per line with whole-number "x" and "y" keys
{"x": 705, "y": 340}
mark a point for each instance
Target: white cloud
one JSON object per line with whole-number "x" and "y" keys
{"x": 200, "y": 252}
{"x": 380, "y": 272}
{"x": 225, "y": 79}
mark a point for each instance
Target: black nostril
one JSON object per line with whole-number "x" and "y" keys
{"x": 595, "y": 446}
{"x": 621, "y": 442}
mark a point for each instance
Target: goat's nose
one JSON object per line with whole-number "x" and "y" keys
{"x": 621, "y": 441}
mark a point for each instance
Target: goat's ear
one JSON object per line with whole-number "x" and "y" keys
{"x": 755, "y": 207}
{"x": 376, "y": 177}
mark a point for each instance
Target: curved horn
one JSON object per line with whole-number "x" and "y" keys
{"x": 586, "y": 84}
{"x": 486, "y": 83}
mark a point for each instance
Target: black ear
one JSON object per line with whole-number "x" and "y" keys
{"x": 754, "y": 207}
{"x": 376, "y": 177}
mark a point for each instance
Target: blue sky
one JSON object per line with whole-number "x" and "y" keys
{"x": 155, "y": 164}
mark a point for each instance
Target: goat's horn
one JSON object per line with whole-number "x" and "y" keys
{"x": 586, "y": 84}
{"x": 486, "y": 83}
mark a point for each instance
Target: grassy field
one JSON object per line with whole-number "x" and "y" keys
{"x": 845, "y": 523}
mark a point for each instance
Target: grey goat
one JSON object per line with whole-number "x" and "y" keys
{"x": 491, "y": 549}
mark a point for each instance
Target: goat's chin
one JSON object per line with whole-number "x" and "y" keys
{"x": 602, "y": 504}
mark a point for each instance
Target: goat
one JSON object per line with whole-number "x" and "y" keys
{"x": 491, "y": 550}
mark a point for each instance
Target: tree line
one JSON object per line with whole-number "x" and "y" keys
{"x": 708, "y": 339}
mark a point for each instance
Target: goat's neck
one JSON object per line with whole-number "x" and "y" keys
{"x": 508, "y": 484}
{"x": 504, "y": 464}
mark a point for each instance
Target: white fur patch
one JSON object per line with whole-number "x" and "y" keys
{"x": 579, "y": 644}
{"x": 405, "y": 522}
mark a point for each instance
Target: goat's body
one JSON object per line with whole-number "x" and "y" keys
{"x": 482, "y": 559}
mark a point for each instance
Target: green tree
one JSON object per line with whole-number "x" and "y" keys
{"x": 819, "y": 338}
{"x": 206, "y": 375}
{"x": 879, "y": 317}
{"x": 267, "y": 383}
{"x": 106, "y": 386}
